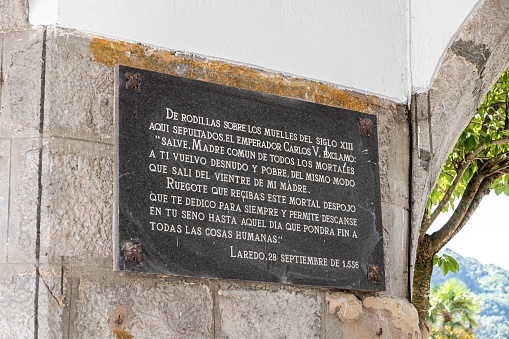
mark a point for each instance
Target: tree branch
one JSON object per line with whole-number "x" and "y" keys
{"x": 485, "y": 123}
{"x": 496, "y": 105}
{"x": 448, "y": 194}
{"x": 506, "y": 112}
{"x": 499, "y": 141}
{"x": 426, "y": 224}
{"x": 484, "y": 190}
{"x": 504, "y": 169}
{"x": 441, "y": 236}
{"x": 450, "y": 176}
{"x": 495, "y": 163}
{"x": 469, "y": 203}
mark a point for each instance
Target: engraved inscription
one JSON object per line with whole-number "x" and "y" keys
{"x": 217, "y": 182}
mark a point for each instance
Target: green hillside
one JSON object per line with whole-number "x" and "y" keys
{"x": 491, "y": 284}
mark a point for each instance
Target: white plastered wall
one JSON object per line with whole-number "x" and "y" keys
{"x": 434, "y": 24}
{"x": 386, "y": 48}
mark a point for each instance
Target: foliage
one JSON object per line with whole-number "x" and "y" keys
{"x": 446, "y": 263}
{"x": 490, "y": 284}
{"x": 453, "y": 311}
{"x": 478, "y": 163}
{"x": 481, "y": 149}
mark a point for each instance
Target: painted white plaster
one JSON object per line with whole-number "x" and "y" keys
{"x": 434, "y": 24}
{"x": 43, "y": 12}
{"x": 359, "y": 45}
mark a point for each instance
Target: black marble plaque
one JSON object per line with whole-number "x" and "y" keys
{"x": 219, "y": 182}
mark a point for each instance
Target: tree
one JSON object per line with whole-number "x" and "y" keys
{"x": 453, "y": 311}
{"x": 478, "y": 163}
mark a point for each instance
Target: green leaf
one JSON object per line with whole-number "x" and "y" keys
{"x": 446, "y": 263}
{"x": 443, "y": 266}
{"x": 463, "y": 137}
{"x": 475, "y": 138}
{"x": 506, "y": 189}
{"x": 452, "y": 263}
{"x": 468, "y": 174}
{"x": 487, "y": 140}
{"x": 469, "y": 144}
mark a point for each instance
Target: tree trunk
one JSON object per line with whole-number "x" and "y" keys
{"x": 422, "y": 276}
{"x": 429, "y": 245}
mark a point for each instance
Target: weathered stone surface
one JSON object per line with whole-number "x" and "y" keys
{"x": 2, "y": 34}
{"x": 403, "y": 314}
{"x": 13, "y": 14}
{"x": 5, "y": 164}
{"x": 487, "y": 24}
{"x": 374, "y": 317}
{"x": 394, "y": 155}
{"x": 77, "y": 210}
{"x": 345, "y": 305}
{"x": 24, "y": 195}
{"x": 396, "y": 252}
{"x": 22, "y": 61}
{"x": 113, "y": 52}
{"x": 17, "y": 292}
{"x": 79, "y": 91}
{"x": 269, "y": 313}
{"x": 394, "y": 166}
{"x": 160, "y": 308}
{"x": 374, "y": 325}
{"x": 51, "y": 301}
{"x": 80, "y": 196}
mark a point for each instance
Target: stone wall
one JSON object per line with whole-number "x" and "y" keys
{"x": 56, "y": 208}
{"x": 56, "y": 191}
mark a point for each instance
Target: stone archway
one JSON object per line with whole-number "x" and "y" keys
{"x": 477, "y": 57}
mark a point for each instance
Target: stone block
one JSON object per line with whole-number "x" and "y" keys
{"x": 51, "y": 300}
{"x": 5, "y": 165}
{"x": 396, "y": 228}
{"x": 79, "y": 91}
{"x": 17, "y": 295}
{"x": 491, "y": 11}
{"x": 80, "y": 199}
{"x": 393, "y": 141}
{"x": 394, "y": 177}
{"x": 24, "y": 196}
{"x": 13, "y": 14}
{"x": 22, "y": 64}
{"x": 402, "y": 315}
{"x": 374, "y": 318}
{"x": 150, "y": 307}
{"x": 269, "y": 313}
{"x": 2, "y": 34}
{"x": 345, "y": 305}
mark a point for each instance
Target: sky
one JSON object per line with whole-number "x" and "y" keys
{"x": 486, "y": 235}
